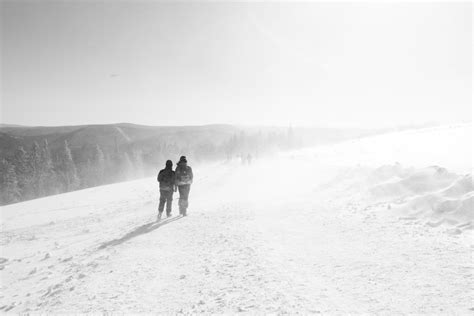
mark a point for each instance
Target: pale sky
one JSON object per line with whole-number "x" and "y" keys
{"x": 163, "y": 63}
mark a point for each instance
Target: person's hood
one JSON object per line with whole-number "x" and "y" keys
{"x": 169, "y": 164}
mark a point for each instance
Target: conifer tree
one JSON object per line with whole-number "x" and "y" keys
{"x": 10, "y": 190}
{"x": 138, "y": 163}
{"x": 34, "y": 164}
{"x": 23, "y": 172}
{"x": 2, "y": 184}
{"x": 47, "y": 174}
{"x": 86, "y": 174}
{"x": 67, "y": 169}
{"x": 98, "y": 162}
{"x": 127, "y": 167}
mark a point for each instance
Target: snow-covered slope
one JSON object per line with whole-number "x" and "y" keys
{"x": 335, "y": 229}
{"x": 448, "y": 146}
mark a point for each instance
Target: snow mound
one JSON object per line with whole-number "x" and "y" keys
{"x": 407, "y": 182}
{"x": 432, "y": 194}
{"x": 461, "y": 186}
{"x": 388, "y": 172}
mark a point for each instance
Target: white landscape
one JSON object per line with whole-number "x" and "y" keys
{"x": 379, "y": 225}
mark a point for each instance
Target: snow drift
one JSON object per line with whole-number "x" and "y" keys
{"x": 432, "y": 194}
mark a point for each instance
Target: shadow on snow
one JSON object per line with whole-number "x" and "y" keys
{"x": 140, "y": 230}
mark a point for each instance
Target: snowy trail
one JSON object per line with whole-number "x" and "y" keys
{"x": 279, "y": 243}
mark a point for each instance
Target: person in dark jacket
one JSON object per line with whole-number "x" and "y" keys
{"x": 167, "y": 179}
{"x": 184, "y": 179}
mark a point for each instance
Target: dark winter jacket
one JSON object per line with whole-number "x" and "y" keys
{"x": 167, "y": 179}
{"x": 184, "y": 174}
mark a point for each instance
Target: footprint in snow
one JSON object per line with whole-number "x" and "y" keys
{"x": 93, "y": 264}
{"x": 10, "y": 307}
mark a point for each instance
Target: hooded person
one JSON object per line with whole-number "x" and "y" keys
{"x": 166, "y": 178}
{"x": 184, "y": 179}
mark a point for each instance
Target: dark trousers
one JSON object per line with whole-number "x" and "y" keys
{"x": 183, "y": 197}
{"x": 166, "y": 196}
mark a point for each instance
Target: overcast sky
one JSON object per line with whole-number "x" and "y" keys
{"x": 161, "y": 63}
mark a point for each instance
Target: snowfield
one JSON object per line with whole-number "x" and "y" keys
{"x": 378, "y": 225}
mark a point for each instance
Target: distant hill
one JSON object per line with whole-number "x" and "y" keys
{"x": 108, "y": 136}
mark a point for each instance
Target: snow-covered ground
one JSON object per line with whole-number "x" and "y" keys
{"x": 376, "y": 225}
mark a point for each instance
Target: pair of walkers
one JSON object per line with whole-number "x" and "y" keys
{"x": 172, "y": 181}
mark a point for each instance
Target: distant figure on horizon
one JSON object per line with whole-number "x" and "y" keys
{"x": 249, "y": 159}
{"x": 184, "y": 179}
{"x": 243, "y": 159}
{"x": 167, "y": 179}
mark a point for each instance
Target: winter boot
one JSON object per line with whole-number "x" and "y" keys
{"x": 159, "y": 216}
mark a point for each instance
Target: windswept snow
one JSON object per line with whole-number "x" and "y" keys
{"x": 431, "y": 193}
{"x": 357, "y": 227}
{"x": 449, "y": 147}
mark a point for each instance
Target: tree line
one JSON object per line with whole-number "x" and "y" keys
{"x": 37, "y": 171}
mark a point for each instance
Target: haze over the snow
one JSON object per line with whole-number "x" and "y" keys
{"x": 162, "y": 63}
